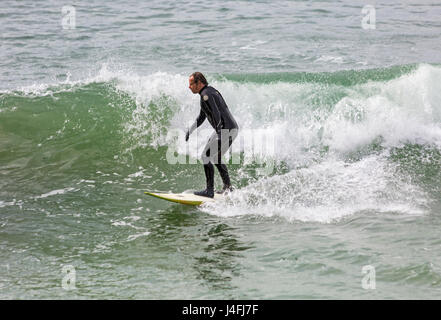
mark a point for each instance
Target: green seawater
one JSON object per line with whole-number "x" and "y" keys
{"x": 90, "y": 118}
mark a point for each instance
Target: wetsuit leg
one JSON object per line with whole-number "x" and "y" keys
{"x": 211, "y": 150}
{"x": 208, "y": 167}
{"x": 218, "y": 146}
{"x": 214, "y": 151}
{"x": 209, "y": 176}
{"x": 223, "y": 171}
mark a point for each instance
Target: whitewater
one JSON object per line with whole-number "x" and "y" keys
{"x": 337, "y": 166}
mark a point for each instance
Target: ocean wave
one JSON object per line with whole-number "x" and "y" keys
{"x": 321, "y": 129}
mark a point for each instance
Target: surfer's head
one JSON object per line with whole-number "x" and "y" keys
{"x": 196, "y": 82}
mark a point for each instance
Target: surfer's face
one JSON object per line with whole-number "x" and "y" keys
{"x": 195, "y": 87}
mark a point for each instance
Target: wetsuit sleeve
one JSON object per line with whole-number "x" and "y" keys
{"x": 199, "y": 120}
{"x": 215, "y": 112}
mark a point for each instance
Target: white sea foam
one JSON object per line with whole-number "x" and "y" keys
{"x": 135, "y": 236}
{"x": 326, "y": 192}
{"x": 55, "y": 192}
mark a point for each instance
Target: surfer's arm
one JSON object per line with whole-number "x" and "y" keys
{"x": 199, "y": 120}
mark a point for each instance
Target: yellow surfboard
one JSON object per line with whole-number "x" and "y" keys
{"x": 184, "y": 198}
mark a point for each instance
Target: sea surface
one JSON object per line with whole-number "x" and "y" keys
{"x": 337, "y": 166}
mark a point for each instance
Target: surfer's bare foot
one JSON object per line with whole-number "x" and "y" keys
{"x": 205, "y": 193}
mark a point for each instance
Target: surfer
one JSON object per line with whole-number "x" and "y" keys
{"x": 213, "y": 108}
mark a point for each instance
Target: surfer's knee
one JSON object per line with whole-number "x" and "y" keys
{"x": 205, "y": 159}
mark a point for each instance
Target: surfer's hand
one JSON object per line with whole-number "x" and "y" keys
{"x": 187, "y": 135}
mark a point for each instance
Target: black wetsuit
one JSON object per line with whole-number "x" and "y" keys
{"x": 214, "y": 108}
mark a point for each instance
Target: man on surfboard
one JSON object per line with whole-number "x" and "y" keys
{"x": 213, "y": 108}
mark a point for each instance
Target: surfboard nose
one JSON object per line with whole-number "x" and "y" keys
{"x": 184, "y": 198}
